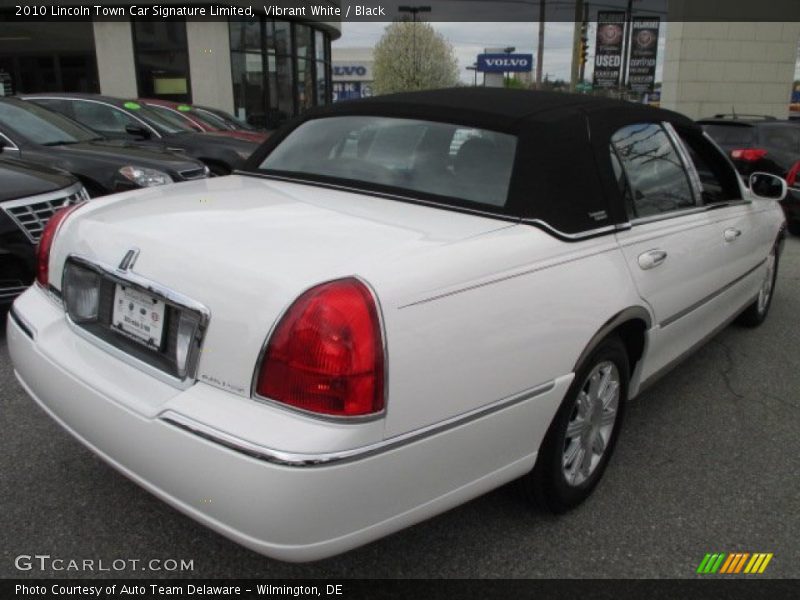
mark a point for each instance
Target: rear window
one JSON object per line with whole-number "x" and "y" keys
{"x": 440, "y": 159}
{"x": 731, "y": 135}
{"x": 781, "y": 137}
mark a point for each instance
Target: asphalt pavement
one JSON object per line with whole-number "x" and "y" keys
{"x": 708, "y": 461}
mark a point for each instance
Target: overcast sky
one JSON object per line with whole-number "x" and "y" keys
{"x": 469, "y": 40}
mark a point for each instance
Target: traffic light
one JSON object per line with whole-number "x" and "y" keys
{"x": 584, "y": 45}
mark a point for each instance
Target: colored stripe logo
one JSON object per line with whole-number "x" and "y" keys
{"x": 734, "y": 563}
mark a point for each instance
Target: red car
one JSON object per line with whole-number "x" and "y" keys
{"x": 185, "y": 114}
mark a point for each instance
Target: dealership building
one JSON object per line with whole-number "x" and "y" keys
{"x": 263, "y": 70}
{"x": 352, "y": 73}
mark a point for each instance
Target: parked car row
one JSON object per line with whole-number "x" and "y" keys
{"x": 205, "y": 119}
{"x": 762, "y": 143}
{"x": 143, "y": 125}
{"x": 60, "y": 149}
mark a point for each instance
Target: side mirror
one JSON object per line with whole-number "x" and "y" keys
{"x": 138, "y": 131}
{"x": 767, "y": 186}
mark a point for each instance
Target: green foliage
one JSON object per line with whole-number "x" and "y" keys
{"x": 413, "y": 56}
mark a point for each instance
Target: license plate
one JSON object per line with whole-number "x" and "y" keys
{"x": 138, "y": 315}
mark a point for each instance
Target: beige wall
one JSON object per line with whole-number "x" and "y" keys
{"x": 115, "y": 66}
{"x": 713, "y": 67}
{"x": 210, "y": 63}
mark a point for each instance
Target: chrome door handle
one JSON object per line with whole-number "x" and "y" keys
{"x": 652, "y": 258}
{"x": 731, "y": 234}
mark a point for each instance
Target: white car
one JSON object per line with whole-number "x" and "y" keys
{"x": 366, "y": 328}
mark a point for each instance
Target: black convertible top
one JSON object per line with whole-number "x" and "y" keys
{"x": 562, "y": 175}
{"x": 494, "y": 108}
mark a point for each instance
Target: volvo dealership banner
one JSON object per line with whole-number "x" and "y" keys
{"x": 608, "y": 49}
{"x": 644, "y": 50}
{"x": 505, "y": 63}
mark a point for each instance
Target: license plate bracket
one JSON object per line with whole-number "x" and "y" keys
{"x": 138, "y": 315}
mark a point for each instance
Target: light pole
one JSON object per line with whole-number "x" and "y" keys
{"x": 626, "y": 48}
{"x": 508, "y": 50}
{"x": 414, "y": 11}
{"x": 474, "y": 67}
{"x": 540, "y": 48}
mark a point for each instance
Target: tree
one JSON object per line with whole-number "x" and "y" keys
{"x": 413, "y": 56}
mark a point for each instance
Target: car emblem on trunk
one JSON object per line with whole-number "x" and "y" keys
{"x": 126, "y": 264}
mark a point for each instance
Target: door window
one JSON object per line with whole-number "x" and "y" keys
{"x": 103, "y": 118}
{"x": 657, "y": 180}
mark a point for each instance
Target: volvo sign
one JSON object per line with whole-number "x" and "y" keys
{"x": 505, "y": 63}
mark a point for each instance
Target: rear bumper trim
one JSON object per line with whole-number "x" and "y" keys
{"x": 26, "y": 329}
{"x": 293, "y": 459}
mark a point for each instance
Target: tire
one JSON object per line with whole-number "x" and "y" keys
{"x": 562, "y": 478}
{"x": 755, "y": 314}
{"x": 794, "y": 227}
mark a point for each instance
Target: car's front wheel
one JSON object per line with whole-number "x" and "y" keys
{"x": 583, "y": 433}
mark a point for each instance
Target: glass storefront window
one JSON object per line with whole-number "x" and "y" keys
{"x": 281, "y": 41}
{"x": 246, "y": 36}
{"x": 302, "y": 36}
{"x": 319, "y": 45}
{"x": 162, "y": 59}
{"x": 248, "y": 86}
{"x": 285, "y": 87}
{"x": 281, "y": 74}
{"x": 322, "y": 81}
{"x": 305, "y": 84}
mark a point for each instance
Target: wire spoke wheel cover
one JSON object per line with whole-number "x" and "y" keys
{"x": 591, "y": 423}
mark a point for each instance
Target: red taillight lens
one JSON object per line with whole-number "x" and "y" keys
{"x": 748, "y": 154}
{"x": 326, "y": 354}
{"x": 46, "y": 242}
{"x": 791, "y": 176}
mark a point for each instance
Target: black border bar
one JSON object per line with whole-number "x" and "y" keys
{"x": 519, "y": 11}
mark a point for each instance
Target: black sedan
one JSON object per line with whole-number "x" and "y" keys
{"x": 44, "y": 137}
{"x": 130, "y": 120}
{"x": 29, "y": 195}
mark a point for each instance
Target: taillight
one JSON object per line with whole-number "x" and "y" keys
{"x": 748, "y": 154}
{"x": 326, "y": 354}
{"x": 46, "y": 242}
{"x": 791, "y": 176}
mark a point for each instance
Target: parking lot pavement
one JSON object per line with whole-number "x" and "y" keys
{"x": 707, "y": 462}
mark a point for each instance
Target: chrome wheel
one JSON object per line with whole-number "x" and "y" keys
{"x": 591, "y": 423}
{"x": 765, "y": 292}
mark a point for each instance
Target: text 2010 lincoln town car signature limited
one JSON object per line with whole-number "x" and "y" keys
{"x": 403, "y": 303}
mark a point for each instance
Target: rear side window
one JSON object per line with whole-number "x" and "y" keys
{"x": 470, "y": 165}
{"x": 718, "y": 178}
{"x": 657, "y": 182}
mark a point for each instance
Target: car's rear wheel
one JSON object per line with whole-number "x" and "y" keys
{"x": 583, "y": 433}
{"x": 755, "y": 314}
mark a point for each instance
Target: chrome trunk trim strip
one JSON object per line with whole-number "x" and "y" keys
{"x": 295, "y": 459}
